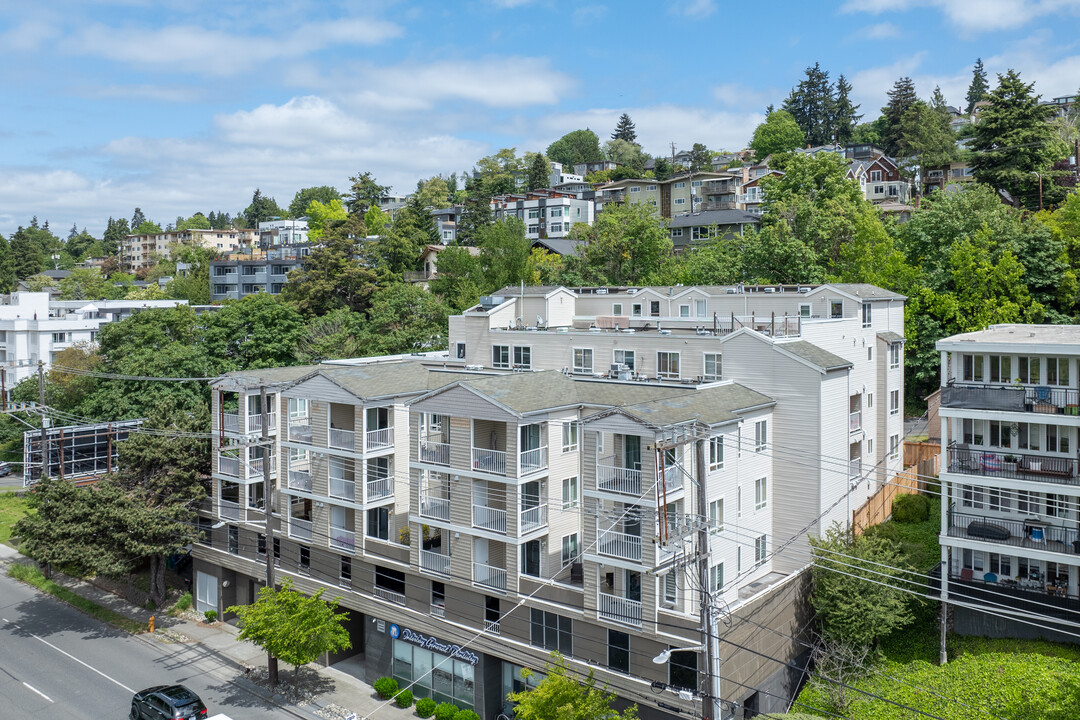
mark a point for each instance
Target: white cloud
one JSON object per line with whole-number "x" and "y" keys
{"x": 695, "y": 8}
{"x": 161, "y": 93}
{"x": 879, "y": 31}
{"x": 973, "y": 16}
{"x": 737, "y": 95}
{"x": 28, "y": 36}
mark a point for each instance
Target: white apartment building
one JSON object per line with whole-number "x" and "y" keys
{"x": 34, "y": 328}
{"x": 283, "y": 232}
{"x": 142, "y": 251}
{"x": 545, "y": 214}
{"x": 541, "y": 485}
{"x": 1010, "y": 530}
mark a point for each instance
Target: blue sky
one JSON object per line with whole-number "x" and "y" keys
{"x": 186, "y": 106}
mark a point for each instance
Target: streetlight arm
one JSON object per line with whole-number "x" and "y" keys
{"x": 665, "y": 655}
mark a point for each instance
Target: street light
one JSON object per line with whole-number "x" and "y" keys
{"x": 665, "y": 655}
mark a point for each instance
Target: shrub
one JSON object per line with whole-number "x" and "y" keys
{"x": 425, "y": 707}
{"x": 404, "y": 698}
{"x": 446, "y": 711}
{"x": 210, "y": 615}
{"x": 386, "y": 687}
{"x": 183, "y": 603}
{"x": 911, "y": 509}
{"x": 466, "y": 715}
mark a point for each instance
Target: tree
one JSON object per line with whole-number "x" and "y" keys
{"x": 321, "y": 214}
{"x": 31, "y": 248}
{"x": 303, "y": 198}
{"x": 575, "y": 147}
{"x": 662, "y": 168}
{"x": 331, "y": 278}
{"x": 54, "y": 531}
{"x": 146, "y": 228}
{"x": 433, "y": 193}
{"x": 855, "y": 579}
{"x": 700, "y": 158}
{"x": 7, "y": 266}
{"x": 901, "y": 98}
{"x": 137, "y": 218}
{"x": 89, "y": 284}
{"x": 193, "y": 284}
{"x": 779, "y": 133}
{"x": 1013, "y": 141}
{"x": 115, "y": 233}
{"x": 979, "y": 88}
{"x": 375, "y": 221}
{"x": 499, "y": 173}
{"x": 565, "y": 696}
{"x": 539, "y": 172}
{"x": 812, "y": 103}
{"x": 291, "y": 626}
{"x": 625, "y": 245}
{"x": 404, "y": 319}
{"x": 926, "y": 138}
{"x": 261, "y": 209}
{"x": 477, "y": 213}
{"x": 460, "y": 280}
{"x": 625, "y": 130}
{"x": 845, "y": 117}
{"x": 198, "y": 221}
{"x": 627, "y": 154}
{"x": 504, "y": 253}
{"x": 330, "y": 337}
{"x": 257, "y": 331}
{"x": 837, "y": 666}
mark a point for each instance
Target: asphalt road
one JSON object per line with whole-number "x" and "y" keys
{"x": 57, "y": 663}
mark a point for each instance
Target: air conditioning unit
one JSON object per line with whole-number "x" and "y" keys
{"x": 769, "y": 290}
{"x": 601, "y": 291}
{"x": 804, "y": 291}
{"x": 665, "y": 331}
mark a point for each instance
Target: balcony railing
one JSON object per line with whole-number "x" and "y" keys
{"x": 1014, "y": 466}
{"x": 620, "y": 609}
{"x": 300, "y": 480}
{"x": 487, "y": 518}
{"x": 231, "y": 422}
{"x": 438, "y": 609}
{"x": 380, "y": 488}
{"x": 491, "y": 461}
{"x": 434, "y": 507}
{"x": 855, "y": 421}
{"x": 1033, "y": 535}
{"x": 435, "y": 452}
{"x": 300, "y": 432}
{"x": 300, "y": 529}
{"x": 531, "y": 461}
{"x": 854, "y": 469}
{"x": 342, "y": 489}
{"x": 254, "y": 422}
{"x": 228, "y": 465}
{"x": 255, "y": 467}
{"x": 434, "y": 562}
{"x": 618, "y": 479}
{"x": 1023, "y": 594}
{"x": 228, "y": 510}
{"x": 489, "y": 576}
{"x": 672, "y": 479}
{"x": 493, "y": 627}
{"x": 620, "y": 545}
{"x": 342, "y": 539}
{"x": 388, "y": 595}
{"x": 1034, "y": 399}
{"x": 379, "y": 439}
{"x": 533, "y": 518}
{"x": 342, "y": 439}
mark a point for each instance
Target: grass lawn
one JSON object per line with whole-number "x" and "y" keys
{"x": 12, "y": 507}
{"x": 33, "y": 576}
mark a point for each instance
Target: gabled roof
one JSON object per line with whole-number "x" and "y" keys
{"x": 711, "y": 406}
{"x": 560, "y": 246}
{"x": 865, "y": 291}
{"x": 714, "y": 217}
{"x": 514, "y": 291}
{"x": 815, "y": 355}
{"x": 891, "y": 337}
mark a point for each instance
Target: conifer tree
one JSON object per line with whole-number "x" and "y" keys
{"x": 625, "y": 130}
{"x": 979, "y": 88}
{"x": 539, "y": 172}
{"x": 845, "y": 117}
{"x": 901, "y": 98}
{"x": 812, "y": 104}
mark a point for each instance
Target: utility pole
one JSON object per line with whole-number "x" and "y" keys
{"x": 268, "y": 511}
{"x": 713, "y": 708}
{"x": 44, "y": 420}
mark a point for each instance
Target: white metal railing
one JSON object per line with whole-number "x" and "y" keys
{"x": 435, "y": 508}
{"x": 435, "y": 452}
{"x": 492, "y": 461}
{"x": 388, "y": 595}
{"x": 487, "y": 518}
{"x": 855, "y": 421}
{"x": 342, "y": 489}
{"x": 300, "y": 529}
{"x": 300, "y": 432}
{"x": 489, "y": 576}
{"x": 229, "y": 465}
{"x": 618, "y": 479}
{"x": 438, "y": 610}
{"x": 492, "y": 626}
{"x": 231, "y": 422}
{"x": 254, "y": 422}
{"x": 379, "y": 438}
{"x": 228, "y": 510}
{"x": 255, "y": 467}
{"x": 532, "y": 460}
{"x": 620, "y": 545}
{"x": 620, "y": 609}
{"x": 300, "y": 480}
{"x": 342, "y": 439}
{"x": 379, "y": 488}
{"x": 435, "y": 562}
{"x": 342, "y": 539}
{"x": 533, "y": 518}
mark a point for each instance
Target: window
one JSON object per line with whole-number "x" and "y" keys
{"x": 870, "y": 353}
{"x": 650, "y": 187}
{"x": 530, "y": 558}
{"x": 555, "y": 212}
{"x": 626, "y": 357}
{"x": 234, "y": 539}
{"x": 875, "y": 176}
{"x": 716, "y": 452}
{"x": 671, "y": 589}
{"x": 569, "y": 492}
{"x": 684, "y": 311}
{"x": 345, "y": 570}
{"x": 870, "y": 446}
{"x": 522, "y": 357}
{"x": 894, "y": 402}
{"x": 635, "y": 189}
{"x": 616, "y": 308}
{"x": 738, "y": 501}
{"x": 761, "y": 432}
{"x": 555, "y": 227}
{"x": 676, "y": 232}
{"x": 583, "y": 360}
{"x": 716, "y": 578}
{"x": 667, "y": 365}
{"x": 836, "y": 309}
{"x": 679, "y": 185}
{"x": 569, "y": 549}
{"x": 973, "y": 368}
{"x": 460, "y": 350}
{"x": 1028, "y": 370}
{"x": 534, "y": 214}
{"x": 761, "y": 493}
{"x": 569, "y": 436}
{"x": 1000, "y": 368}
{"x": 879, "y": 189}
{"x": 61, "y": 337}
{"x": 866, "y": 315}
{"x": 305, "y": 558}
{"x": 805, "y": 310}
{"x": 500, "y": 356}
{"x": 277, "y": 551}
{"x": 894, "y": 359}
{"x": 654, "y": 308}
{"x": 894, "y": 447}
{"x": 679, "y": 201}
{"x": 552, "y": 632}
{"x": 260, "y": 546}
{"x": 1025, "y": 501}
{"x": 635, "y": 309}
{"x": 378, "y": 523}
{"x": 759, "y": 551}
{"x": 1057, "y": 371}
{"x": 714, "y": 366}
{"x": 534, "y": 229}
{"x": 716, "y": 516}
{"x": 1057, "y": 438}
{"x": 618, "y": 653}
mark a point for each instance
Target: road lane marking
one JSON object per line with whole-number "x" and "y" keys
{"x": 85, "y": 665}
{"x": 38, "y": 691}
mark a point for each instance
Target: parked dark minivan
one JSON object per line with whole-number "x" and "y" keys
{"x": 167, "y": 702}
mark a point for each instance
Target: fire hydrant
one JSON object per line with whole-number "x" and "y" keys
{"x": 151, "y": 623}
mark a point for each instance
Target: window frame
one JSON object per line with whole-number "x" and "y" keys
{"x": 717, "y": 361}
{"x": 503, "y": 359}
{"x": 571, "y": 440}
{"x": 716, "y": 453}
{"x": 523, "y": 357}
{"x": 667, "y": 374}
{"x": 581, "y": 367}
{"x": 761, "y": 493}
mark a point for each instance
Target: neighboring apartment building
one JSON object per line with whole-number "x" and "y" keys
{"x": 446, "y": 222}
{"x": 939, "y": 178}
{"x": 283, "y": 232}
{"x": 681, "y": 193}
{"x": 709, "y": 225}
{"x": 235, "y": 279}
{"x": 1010, "y": 414}
{"x": 143, "y": 251}
{"x": 558, "y": 177}
{"x": 880, "y": 180}
{"x": 546, "y": 214}
{"x": 537, "y": 488}
{"x": 34, "y": 328}
{"x": 588, "y": 168}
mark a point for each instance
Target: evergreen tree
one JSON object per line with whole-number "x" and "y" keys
{"x": 137, "y": 218}
{"x": 979, "y": 88}
{"x": 845, "y": 117}
{"x": 539, "y": 170}
{"x": 625, "y": 130}
{"x": 115, "y": 232}
{"x": 700, "y": 158}
{"x": 261, "y": 209}
{"x": 662, "y": 168}
{"x": 73, "y": 232}
{"x": 901, "y": 98}
{"x": 812, "y": 104}
{"x": 7, "y": 267}
{"x": 477, "y": 213}
{"x": 926, "y": 138}
{"x": 363, "y": 193}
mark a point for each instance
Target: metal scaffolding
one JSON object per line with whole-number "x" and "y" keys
{"x": 74, "y": 452}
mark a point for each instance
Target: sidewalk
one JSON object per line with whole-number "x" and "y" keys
{"x": 326, "y": 692}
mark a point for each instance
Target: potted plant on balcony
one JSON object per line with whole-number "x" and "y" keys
{"x": 1010, "y": 463}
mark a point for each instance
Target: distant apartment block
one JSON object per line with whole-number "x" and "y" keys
{"x": 276, "y": 233}
{"x": 683, "y": 193}
{"x": 143, "y": 251}
{"x": 235, "y": 279}
{"x": 547, "y": 215}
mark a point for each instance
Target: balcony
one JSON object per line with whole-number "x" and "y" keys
{"x": 255, "y": 467}
{"x": 438, "y": 609}
{"x": 342, "y": 439}
{"x": 434, "y": 508}
{"x": 1013, "y": 466}
{"x": 379, "y": 488}
{"x": 618, "y": 479}
{"x": 855, "y": 421}
{"x": 487, "y": 518}
{"x": 300, "y": 480}
{"x": 300, "y": 432}
{"x": 619, "y": 609}
{"x": 230, "y": 422}
{"x": 854, "y": 469}
{"x": 533, "y": 518}
{"x": 672, "y": 479}
{"x": 489, "y": 576}
{"x": 228, "y": 465}
{"x": 490, "y": 461}
{"x": 620, "y": 545}
{"x": 300, "y": 529}
{"x": 228, "y": 510}
{"x": 342, "y": 489}
{"x": 434, "y": 562}
{"x": 379, "y": 439}
{"x": 1033, "y": 399}
{"x": 1022, "y": 594}
{"x": 342, "y": 539}
{"x": 1029, "y": 534}
{"x": 531, "y": 461}
{"x": 435, "y": 452}
{"x": 493, "y": 627}
{"x": 388, "y": 595}
{"x": 717, "y": 204}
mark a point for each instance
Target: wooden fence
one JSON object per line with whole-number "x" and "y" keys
{"x": 879, "y": 507}
{"x": 917, "y": 452}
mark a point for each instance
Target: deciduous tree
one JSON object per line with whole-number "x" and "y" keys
{"x": 303, "y": 198}
{"x": 257, "y": 331}
{"x": 404, "y": 318}
{"x": 566, "y": 696}
{"x": 575, "y": 147}
{"x": 625, "y": 245}
{"x": 779, "y": 133}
